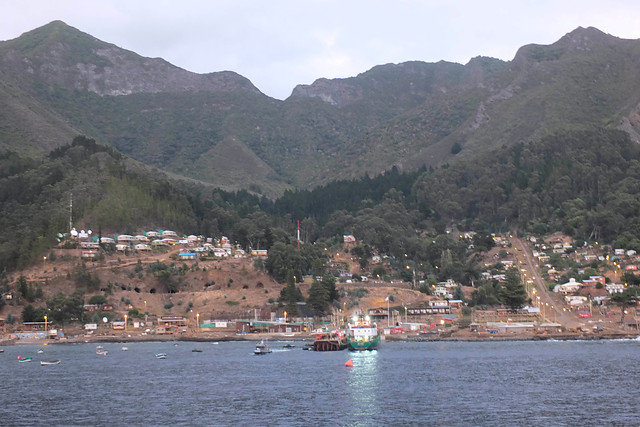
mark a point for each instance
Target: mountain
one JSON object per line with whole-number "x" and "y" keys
{"x": 57, "y": 81}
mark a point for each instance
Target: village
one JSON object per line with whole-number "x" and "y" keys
{"x": 573, "y": 309}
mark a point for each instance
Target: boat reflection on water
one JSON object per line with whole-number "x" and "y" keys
{"x": 363, "y": 386}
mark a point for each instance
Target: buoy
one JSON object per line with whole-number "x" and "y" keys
{"x": 349, "y": 363}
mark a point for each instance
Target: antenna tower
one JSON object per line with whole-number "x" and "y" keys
{"x": 70, "y": 212}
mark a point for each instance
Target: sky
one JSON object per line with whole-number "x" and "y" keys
{"x": 278, "y": 44}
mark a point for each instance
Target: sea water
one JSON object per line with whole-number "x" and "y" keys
{"x": 510, "y": 383}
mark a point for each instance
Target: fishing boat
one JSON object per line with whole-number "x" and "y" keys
{"x": 49, "y": 362}
{"x": 161, "y": 356}
{"x": 363, "y": 335}
{"x": 196, "y": 350}
{"x": 289, "y": 346}
{"x": 261, "y": 348}
{"x": 24, "y": 359}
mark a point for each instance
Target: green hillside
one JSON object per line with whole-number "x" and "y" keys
{"x": 57, "y": 81}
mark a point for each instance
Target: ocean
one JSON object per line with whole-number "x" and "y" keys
{"x": 502, "y": 383}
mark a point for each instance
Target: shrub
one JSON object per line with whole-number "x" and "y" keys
{"x": 98, "y": 299}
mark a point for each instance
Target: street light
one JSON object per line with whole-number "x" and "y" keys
{"x": 46, "y": 332}
{"x": 125, "y": 322}
{"x": 198, "y": 320}
{"x": 285, "y": 317}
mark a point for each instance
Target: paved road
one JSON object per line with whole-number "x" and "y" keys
{"x": 551, "y": 309}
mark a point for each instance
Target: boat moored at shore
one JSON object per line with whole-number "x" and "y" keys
{"x": 363, "y": 335}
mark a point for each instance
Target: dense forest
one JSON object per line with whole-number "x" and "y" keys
{"x": 584, "y": 183}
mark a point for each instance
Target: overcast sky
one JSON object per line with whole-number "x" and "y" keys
{"x": 278, "y": 44}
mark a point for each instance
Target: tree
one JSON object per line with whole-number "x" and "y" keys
{"x": 625, "y": 299}
{"x": 329, "y": 283}
{"x": 318, "y": 299}
{"x": 290, "y": 295}
{"x": 512, "y": 293}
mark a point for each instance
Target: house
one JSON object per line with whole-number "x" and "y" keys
{"x": 141, "y": 239}
{"x": 90, "y": 254}
{"x": 169, "y": 233}
{"x": 576, "y": 300}
{"x": 238, "y": 253}
{"x": 568, "y": 288}
{"x": 124, "y": 238}
{"x": 142, "y": 247}
{"x": 89, "y": 245}
{"x": 152, "y": 234}
{"x": 259, "y": 252}
{"x": 187, "y": 256}
{"x": 219, "y": 252}
{"x": 378, "y": 314}
{"x": 614, "y": 288}
{"x": 107, "y": 240}
{"x": 171, "y": 324}
{"x": 36, "y": 326}
{"x": 348, "y": 238}
{"x": 510, "y": 327}
{"x": 117, "y": 324}
{"x": 158, "y": 243}
{"x": 121, "y": 247}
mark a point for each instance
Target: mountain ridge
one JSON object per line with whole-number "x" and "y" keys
{"x": 408, "y": 115}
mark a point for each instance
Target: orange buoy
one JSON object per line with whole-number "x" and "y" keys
{"x": 349, "y": 363}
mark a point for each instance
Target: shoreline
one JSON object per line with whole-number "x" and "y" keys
{"x": 223, "y": 337}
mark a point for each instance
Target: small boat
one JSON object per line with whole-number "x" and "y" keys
{"x": 262, "y": 348}
{"x": 196, "y": 350}
{"x": 308, "y": 346}
{"x": 289, "y": 346}
{"x": 125, "y": 348}
{"x": 40, "y": 351}
{"x": 161, "y": 356}
{"x": 24, "y": 359}
{"x": 49, "y": 362}
{"x": 101, "y": 350}
{"x": 1, "y": 351}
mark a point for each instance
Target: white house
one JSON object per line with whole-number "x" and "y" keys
{"x": 569, "y": 287}
{"x": 614, "y": 288}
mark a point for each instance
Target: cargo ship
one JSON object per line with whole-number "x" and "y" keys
{"x": 363, "y": 335}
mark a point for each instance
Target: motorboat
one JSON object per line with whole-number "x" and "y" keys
{"x": 262, "y": 348}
